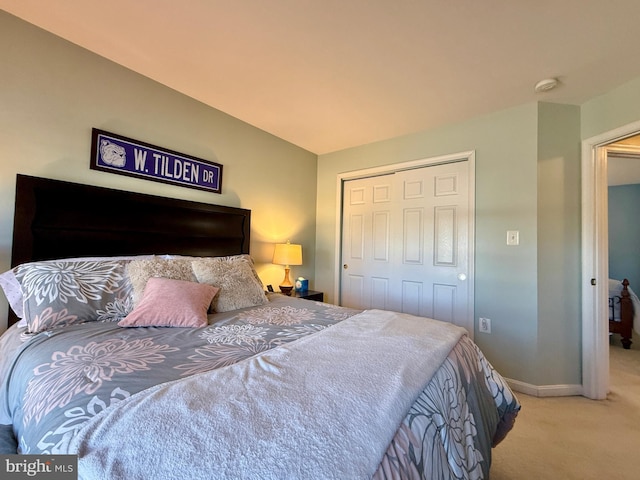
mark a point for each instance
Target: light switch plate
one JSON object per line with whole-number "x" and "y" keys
{"x": 484, "y": 325}
{"x": 513, "y": 237}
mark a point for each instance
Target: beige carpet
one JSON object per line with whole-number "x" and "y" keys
{"x": 576, "y": 438}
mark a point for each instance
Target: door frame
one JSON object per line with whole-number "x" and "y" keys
{"x": 595, "y": 259}
{"x": 467, "y": 156}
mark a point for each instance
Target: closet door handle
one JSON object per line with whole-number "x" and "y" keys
{"x": 345, "y": 266}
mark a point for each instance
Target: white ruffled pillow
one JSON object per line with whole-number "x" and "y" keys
{"x": 239, "y": 285}
{"x": 11, "y": 287}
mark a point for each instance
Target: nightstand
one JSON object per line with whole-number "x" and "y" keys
{"x": 309, "y": 295}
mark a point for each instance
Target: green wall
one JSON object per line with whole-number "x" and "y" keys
{"x": 527, "y": 179}
{"x": 615, "y": 109}
{"x": 559, "y": 237}
{"x": 53, "y": 92}
{"x": 506, "y": 279}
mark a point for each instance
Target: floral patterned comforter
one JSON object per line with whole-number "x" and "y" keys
{"x": 58, "y": 380}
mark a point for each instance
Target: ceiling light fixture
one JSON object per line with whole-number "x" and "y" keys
{"x": 546, "y": 85}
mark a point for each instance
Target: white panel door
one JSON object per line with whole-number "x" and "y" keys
{"x": 366, "y": 242}
{"x": 405, "y": 243}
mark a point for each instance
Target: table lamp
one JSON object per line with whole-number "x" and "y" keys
{"x": 287, "y": 254}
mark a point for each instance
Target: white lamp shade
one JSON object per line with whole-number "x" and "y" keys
{"x": 287, "y": 254}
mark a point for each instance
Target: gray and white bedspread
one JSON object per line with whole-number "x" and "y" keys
{"x": 61, "y": 384}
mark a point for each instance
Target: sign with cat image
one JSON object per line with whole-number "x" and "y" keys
{"x": 125, "y": 156}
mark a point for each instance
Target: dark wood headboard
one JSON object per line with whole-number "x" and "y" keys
{"x": 57, "y": 219}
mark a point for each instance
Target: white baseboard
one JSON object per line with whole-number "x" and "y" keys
{"x": 545, "y": 390}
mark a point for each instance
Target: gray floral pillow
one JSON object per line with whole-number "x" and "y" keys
{"x": 61, "y": 292}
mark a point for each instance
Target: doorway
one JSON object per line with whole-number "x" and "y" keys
{"x": 595, "y": 259}
{"x": 406, "y": 238}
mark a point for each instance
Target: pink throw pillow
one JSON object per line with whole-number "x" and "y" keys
{"x": 171, "y": 303}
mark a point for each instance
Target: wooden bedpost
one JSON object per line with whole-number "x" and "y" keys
{"x": 626, "y": 315}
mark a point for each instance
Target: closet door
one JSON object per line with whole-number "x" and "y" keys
{"x": 405, "y": 243}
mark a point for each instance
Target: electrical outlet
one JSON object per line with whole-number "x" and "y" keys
{"x": 485, "y": 325}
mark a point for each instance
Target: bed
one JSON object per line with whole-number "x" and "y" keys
{"x": 624, "y": 311}
{"x": 143, "y": 342}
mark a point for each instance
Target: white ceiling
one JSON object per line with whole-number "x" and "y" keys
{"x": 332, "y": 74}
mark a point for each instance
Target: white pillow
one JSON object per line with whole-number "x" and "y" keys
{"x": 236, "y": 279}
{"x": 11, "y": 287}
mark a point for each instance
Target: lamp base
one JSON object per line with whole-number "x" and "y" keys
{"x": 286, "y": 289}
